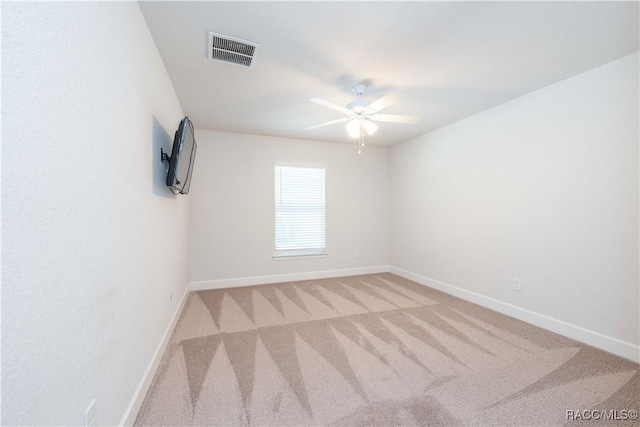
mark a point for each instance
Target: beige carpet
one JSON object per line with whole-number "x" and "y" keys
{"x": 374, "y": 350}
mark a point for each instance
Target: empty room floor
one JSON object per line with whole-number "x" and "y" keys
{"x": 375, "y": 350}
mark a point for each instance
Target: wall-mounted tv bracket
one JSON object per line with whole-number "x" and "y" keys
{"x": 164, "y": 156}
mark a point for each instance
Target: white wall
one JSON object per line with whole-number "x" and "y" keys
{"x": 232, "y": 213}
{"x": 86, "y": 223}
{"x": 543, "y": 188}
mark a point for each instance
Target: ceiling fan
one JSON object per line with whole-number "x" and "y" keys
{"x": 361, "y": 115}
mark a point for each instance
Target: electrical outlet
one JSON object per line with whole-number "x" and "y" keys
{"x": 90, "y": 415}
{"x": 516, "y": 285}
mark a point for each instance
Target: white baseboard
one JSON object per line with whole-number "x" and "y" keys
{"x": 132, "y": 410}
{"x": 604, "y": 342}
{"x": 279, "y": 278}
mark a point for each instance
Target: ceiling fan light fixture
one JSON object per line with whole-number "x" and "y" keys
{"x": 370, "y": 127}
{"x": 353, "y": 128}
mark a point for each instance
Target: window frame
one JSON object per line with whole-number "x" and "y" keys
{"x": 302, "y": 253}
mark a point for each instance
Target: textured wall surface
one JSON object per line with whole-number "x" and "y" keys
{"x": 92, "y": 243}
{"x": 543, "y": 188}
{"x": 232, "y": 216}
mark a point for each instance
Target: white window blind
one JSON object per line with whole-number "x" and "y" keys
{"x": 300, "y": 212}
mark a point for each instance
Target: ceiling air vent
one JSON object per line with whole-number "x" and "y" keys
{"x": 232, "y": 50}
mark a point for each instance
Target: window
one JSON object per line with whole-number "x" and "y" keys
{"x": 299, "y": 209}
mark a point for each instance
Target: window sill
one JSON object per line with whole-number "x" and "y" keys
{"x": 298, "y": 255}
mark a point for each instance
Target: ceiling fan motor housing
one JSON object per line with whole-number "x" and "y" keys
{"x": 359, "y": 106}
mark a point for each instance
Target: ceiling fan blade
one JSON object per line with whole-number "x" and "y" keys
{"x": 394, "y": 118}
{"x": 342, "y": 120}
{"x": 333, "y": 106}
{"x": 385, "y": 101}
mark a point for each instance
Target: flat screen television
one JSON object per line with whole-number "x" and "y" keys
{"x": 183, "y": 155}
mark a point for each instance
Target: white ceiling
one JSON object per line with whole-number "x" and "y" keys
{"x": 451, "y": 59}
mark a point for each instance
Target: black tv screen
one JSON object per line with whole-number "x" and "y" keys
{"x": 183, "y": 155}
